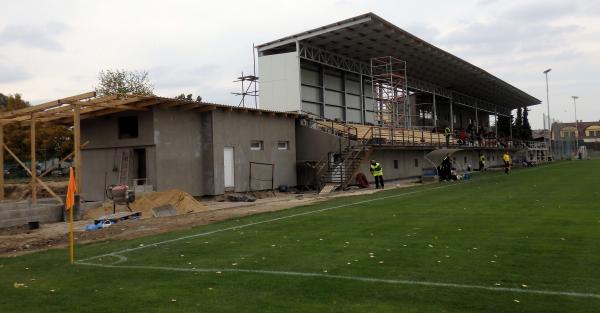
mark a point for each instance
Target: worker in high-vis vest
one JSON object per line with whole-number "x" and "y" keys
{"x": 447, "y": 132}
{"x": 377, "y": 172}
{"x": 506, "y": 159}
{"x": 482, "y": 162}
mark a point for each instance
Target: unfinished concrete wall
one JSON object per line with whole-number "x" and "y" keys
{"x": 409, "y": 163}
{"x": 237, "y": 129}
{"x": 23, "y": 212}
{"x": 101, "y": 158}
{"x": 314, "y": 144}
{"x": 103, "y": 132}
{"x": 179, "y": 150}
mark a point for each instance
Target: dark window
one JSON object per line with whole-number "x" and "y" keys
{"x": 395, "y": 163}
{"x": 416, "y": 162}
{"x": 465, "y": 160}
{"x": 256, "y": 145}
{"x": 128, "y": 127}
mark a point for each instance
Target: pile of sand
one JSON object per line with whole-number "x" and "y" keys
{"x": 182, "y": 201}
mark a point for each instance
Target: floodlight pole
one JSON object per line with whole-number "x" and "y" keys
{"x": 549, "y": 124}
{"x": 576, "y": 123}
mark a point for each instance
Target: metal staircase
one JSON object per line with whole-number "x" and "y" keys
{"x": 337, "y": 174}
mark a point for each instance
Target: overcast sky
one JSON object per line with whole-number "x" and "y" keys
{"x": 53, "y": 49}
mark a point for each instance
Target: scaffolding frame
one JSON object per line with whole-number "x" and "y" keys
{"x": 390, "y": 91}
{"x": 248, "y": 82}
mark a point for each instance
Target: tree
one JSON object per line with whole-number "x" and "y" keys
{"x": 188, "y": 97}
{"x": 52, "y": 141}
{"x": 3, "y": 101}
{"x": 112, "y": 82}
{"x": 518, "y": 125}
{"x": 504, "y": 124}
{"x": 526, "y": 127}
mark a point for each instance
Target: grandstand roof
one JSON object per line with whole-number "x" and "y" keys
{"x": 367, "y": 36}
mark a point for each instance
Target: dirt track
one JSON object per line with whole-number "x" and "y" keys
{"x": 18, "y": 241}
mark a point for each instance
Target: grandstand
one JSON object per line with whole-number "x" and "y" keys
{"x": 383, "y": 91}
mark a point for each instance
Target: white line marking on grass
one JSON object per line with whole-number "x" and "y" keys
{"x": 357, "y": 278}
{"x": 144, "y": 246}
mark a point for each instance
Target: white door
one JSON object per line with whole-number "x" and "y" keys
{"x": 228, "y": 170}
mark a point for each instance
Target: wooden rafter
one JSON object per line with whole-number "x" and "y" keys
{"x": 39, "y": 181}
{"x": 47, "y": 105}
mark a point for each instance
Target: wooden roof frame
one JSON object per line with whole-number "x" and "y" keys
{"x": 71, "y": 110}
{"x": 90, "y": 105}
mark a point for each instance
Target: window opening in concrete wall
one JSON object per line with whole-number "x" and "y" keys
{"x": 283, "y": 145}
{"x": 256, "y": 145}
{"x": 395, "y": 163}
{"x": 128, "y": 127}
{"x": 416, "y": 162}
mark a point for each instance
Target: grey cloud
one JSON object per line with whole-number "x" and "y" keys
{"x": 168, "y": 77}
{"x": 540, "y": 11}
{"x": 43, "y": 37}
{"x": 11, "y": 74}
{"x": 423, "y": 31}
{"x": 502, "y": 36}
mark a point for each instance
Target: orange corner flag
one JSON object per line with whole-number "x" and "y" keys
{"x": 71, "y": 190}
{"x": 69, "y": 205}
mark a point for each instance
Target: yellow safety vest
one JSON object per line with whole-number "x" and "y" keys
{"x": 376, "y": 169}
{"x": 506, "y": 157}
{"x": 482, "y": 159}
{"x": 447, "y": 131}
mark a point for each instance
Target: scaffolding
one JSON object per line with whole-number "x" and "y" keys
{"x": 249, "y": 89}
{"x": 390, "y": 92}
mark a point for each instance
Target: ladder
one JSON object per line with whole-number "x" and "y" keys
{"x": 124, "y": 168}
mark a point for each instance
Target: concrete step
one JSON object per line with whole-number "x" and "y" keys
{"x": 328, "y": 188}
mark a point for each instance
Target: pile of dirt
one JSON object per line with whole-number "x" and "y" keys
{"x": 182, "y": 201}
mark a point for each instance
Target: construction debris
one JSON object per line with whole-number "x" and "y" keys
{"x": 240, "y": 197}
{"x": 180, "y": 200}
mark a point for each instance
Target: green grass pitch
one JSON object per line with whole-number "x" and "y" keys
{"x": 526, "y": 242}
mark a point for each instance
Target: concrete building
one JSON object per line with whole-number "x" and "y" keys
{"x": 204, "y": 149}
{"x": 568, "y": 137}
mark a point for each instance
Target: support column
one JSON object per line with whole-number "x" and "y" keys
{"x": 362, "y": 100}
{"x": 476, "y": 118}
{"x": 510, "y": 125}
{"x": 496, "y": 120}
{"x": 1, "y": 162}
{"x": 33, "y": 161}
{"x": 322, "y": 75}
{"x": 434, "y": 112}
{"x": 77, "y": 146}
{"x": 451, "y": 116}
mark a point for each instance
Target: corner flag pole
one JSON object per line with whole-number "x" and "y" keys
{"x": 70, "y": 205}
{"x": 71, "y": 238}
